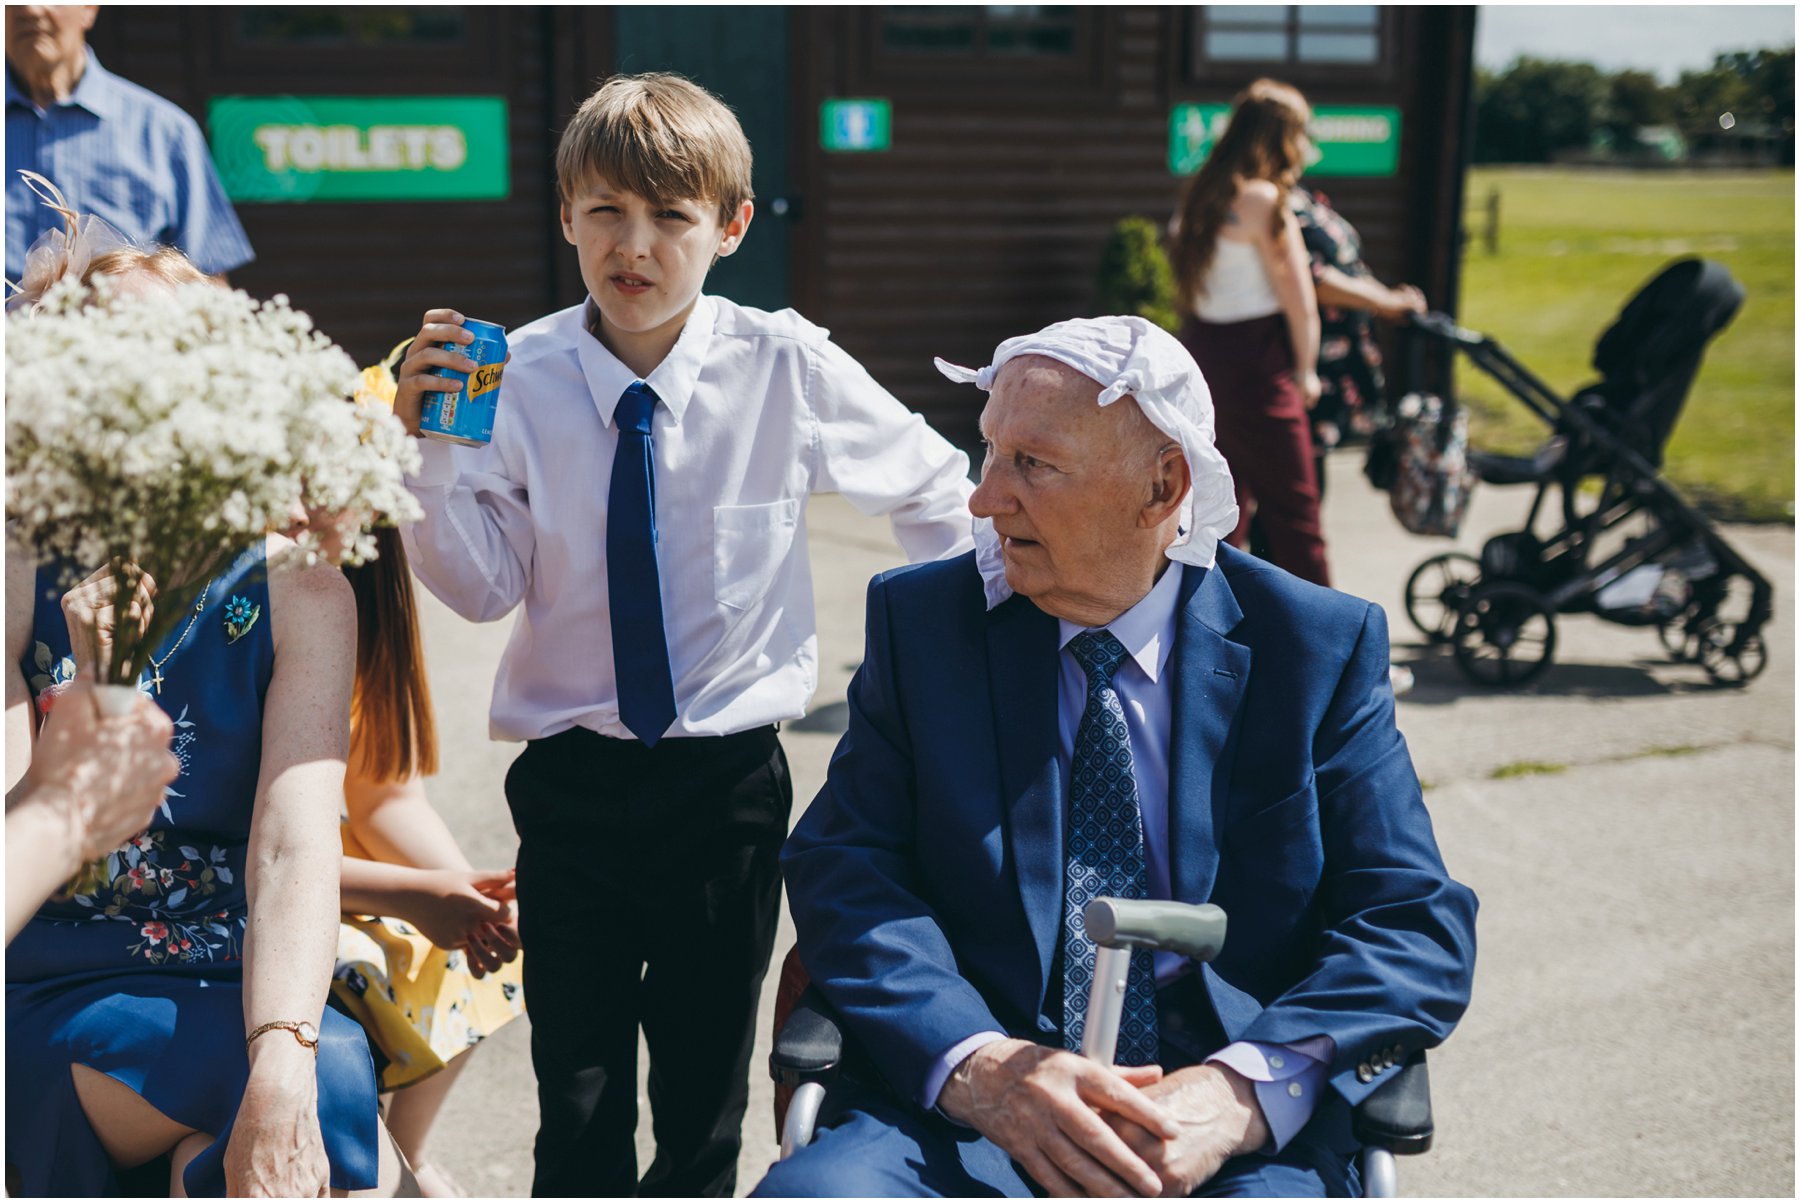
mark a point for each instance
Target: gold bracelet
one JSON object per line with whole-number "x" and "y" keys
{"x": 306, "y": 1033}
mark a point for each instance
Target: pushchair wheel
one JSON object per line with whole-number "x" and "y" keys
{"x": 1680, "y": 638}
{"x": 1505, "y": 634}
{"x": 1436, "y": 591}
{"x": 1722, "y": 662}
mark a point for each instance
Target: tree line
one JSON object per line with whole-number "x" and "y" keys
{"x": 1539, "y": 109}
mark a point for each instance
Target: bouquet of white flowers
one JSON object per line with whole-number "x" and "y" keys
{"x": 166, "y": 433}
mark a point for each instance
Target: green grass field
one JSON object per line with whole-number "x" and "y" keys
{"x": 1575, "y": 244}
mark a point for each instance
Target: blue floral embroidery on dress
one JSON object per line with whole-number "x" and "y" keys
{"x": 182, "y": 747}
{"x": 240, "y": 616}
{"x": 51, "y": 672}
{"x": 165, "y": 893}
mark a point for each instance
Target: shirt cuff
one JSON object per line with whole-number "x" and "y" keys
{"x": 437, "y": 465}
{"x": 940, "y": 1073}
{"x": 1288, "y": 1079}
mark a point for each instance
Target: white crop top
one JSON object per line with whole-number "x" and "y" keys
{"x": 1237, "y": 285}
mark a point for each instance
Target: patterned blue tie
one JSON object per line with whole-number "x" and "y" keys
{"x": 1105, "y": 852}
{"x": 633, "y": 587}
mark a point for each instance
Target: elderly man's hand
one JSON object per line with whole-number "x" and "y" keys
{"x": 1050, "y": 1109}
{"x": 1219, "y": 1118}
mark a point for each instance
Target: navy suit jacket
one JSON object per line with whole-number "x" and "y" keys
{"x": 926, "y": 879}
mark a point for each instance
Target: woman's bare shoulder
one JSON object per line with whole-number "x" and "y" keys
{"x": 314, "y": 594}
{"x": 1252, "y": 208}
{"x": 1257, "y": 198}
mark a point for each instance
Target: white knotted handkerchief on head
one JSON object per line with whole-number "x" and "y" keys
{"x": 1127, "y": 357}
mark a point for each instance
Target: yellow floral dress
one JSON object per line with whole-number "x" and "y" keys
{"x": 419, "y": 1004}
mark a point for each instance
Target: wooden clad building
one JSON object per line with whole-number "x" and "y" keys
{"x": 1016, "y": 137}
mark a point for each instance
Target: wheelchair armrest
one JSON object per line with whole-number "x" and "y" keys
{"x": 1397, "y": 1117}
{"x": 810, "y": 1044}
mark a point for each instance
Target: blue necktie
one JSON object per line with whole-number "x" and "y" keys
{"x": 633, "y": 587}
{"x": 1105, "y": 852}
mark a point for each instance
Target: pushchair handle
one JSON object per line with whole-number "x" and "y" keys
{"x": 1442, "y": 325}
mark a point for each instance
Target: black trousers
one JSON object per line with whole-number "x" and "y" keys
{"x": 649, "y": 890}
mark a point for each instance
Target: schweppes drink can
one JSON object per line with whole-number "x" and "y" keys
{"x": 467, "y": 415}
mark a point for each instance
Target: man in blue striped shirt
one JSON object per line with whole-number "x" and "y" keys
{"x": 113, "y": 148}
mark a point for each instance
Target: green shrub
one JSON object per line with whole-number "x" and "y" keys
{"x": 1135, "y": 276}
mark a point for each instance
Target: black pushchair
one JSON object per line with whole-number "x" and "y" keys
{"x": 1627, "y": 549}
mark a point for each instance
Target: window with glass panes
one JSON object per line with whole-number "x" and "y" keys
{"x": 1322, "y": 34}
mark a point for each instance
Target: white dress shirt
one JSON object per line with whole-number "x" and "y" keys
{"x": 757, "y": 411}
{"x": 1287, "y": 1078}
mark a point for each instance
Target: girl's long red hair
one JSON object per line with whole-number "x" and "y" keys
{"x": 393, "y": 731}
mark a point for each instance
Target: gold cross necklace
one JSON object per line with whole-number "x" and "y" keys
{"x": 156, "y": 677}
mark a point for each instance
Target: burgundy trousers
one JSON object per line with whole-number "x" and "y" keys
{"x": 1265, "y": 437}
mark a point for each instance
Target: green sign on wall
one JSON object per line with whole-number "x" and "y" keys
{"x": 850, "y": 125}
{"x": 346, "y": 148}
{"x": 1352, "y": 140}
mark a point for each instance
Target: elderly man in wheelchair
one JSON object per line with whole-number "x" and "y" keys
{"x": 1100, "y": 709}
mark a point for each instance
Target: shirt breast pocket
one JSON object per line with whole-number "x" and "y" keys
{"x": 130, "y": 200}
{"x": 750, "y": 544}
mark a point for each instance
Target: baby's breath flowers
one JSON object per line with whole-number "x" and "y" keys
{"x": 170, "y": 431}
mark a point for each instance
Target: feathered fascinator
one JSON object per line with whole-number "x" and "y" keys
{"x": 60, "y": 253}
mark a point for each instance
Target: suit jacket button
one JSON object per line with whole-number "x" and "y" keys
{"x": 1364, "y": 1073}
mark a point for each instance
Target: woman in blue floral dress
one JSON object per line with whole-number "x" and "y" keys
{"x": 170, "y": 1000}
{"x": 131, "y": 993}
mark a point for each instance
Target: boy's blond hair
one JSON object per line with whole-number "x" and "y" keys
{"x": 661, "y": 136}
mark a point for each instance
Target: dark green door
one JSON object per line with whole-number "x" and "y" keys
{"x": 739, "y": 54}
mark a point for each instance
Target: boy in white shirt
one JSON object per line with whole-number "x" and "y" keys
{"x": 644, "y": 496}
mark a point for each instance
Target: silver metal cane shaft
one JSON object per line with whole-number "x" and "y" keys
{"x": 1106, "y": 1003}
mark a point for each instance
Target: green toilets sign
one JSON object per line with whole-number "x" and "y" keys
{"x": 343, "y": 148}
{"x": 1352, "y": 140}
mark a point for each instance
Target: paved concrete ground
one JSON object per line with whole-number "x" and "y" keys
{"x": 1629, "y": 829}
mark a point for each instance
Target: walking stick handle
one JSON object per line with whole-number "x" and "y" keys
{"x": 1196, "y": 931}
{"x": 1117, "y": 926}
